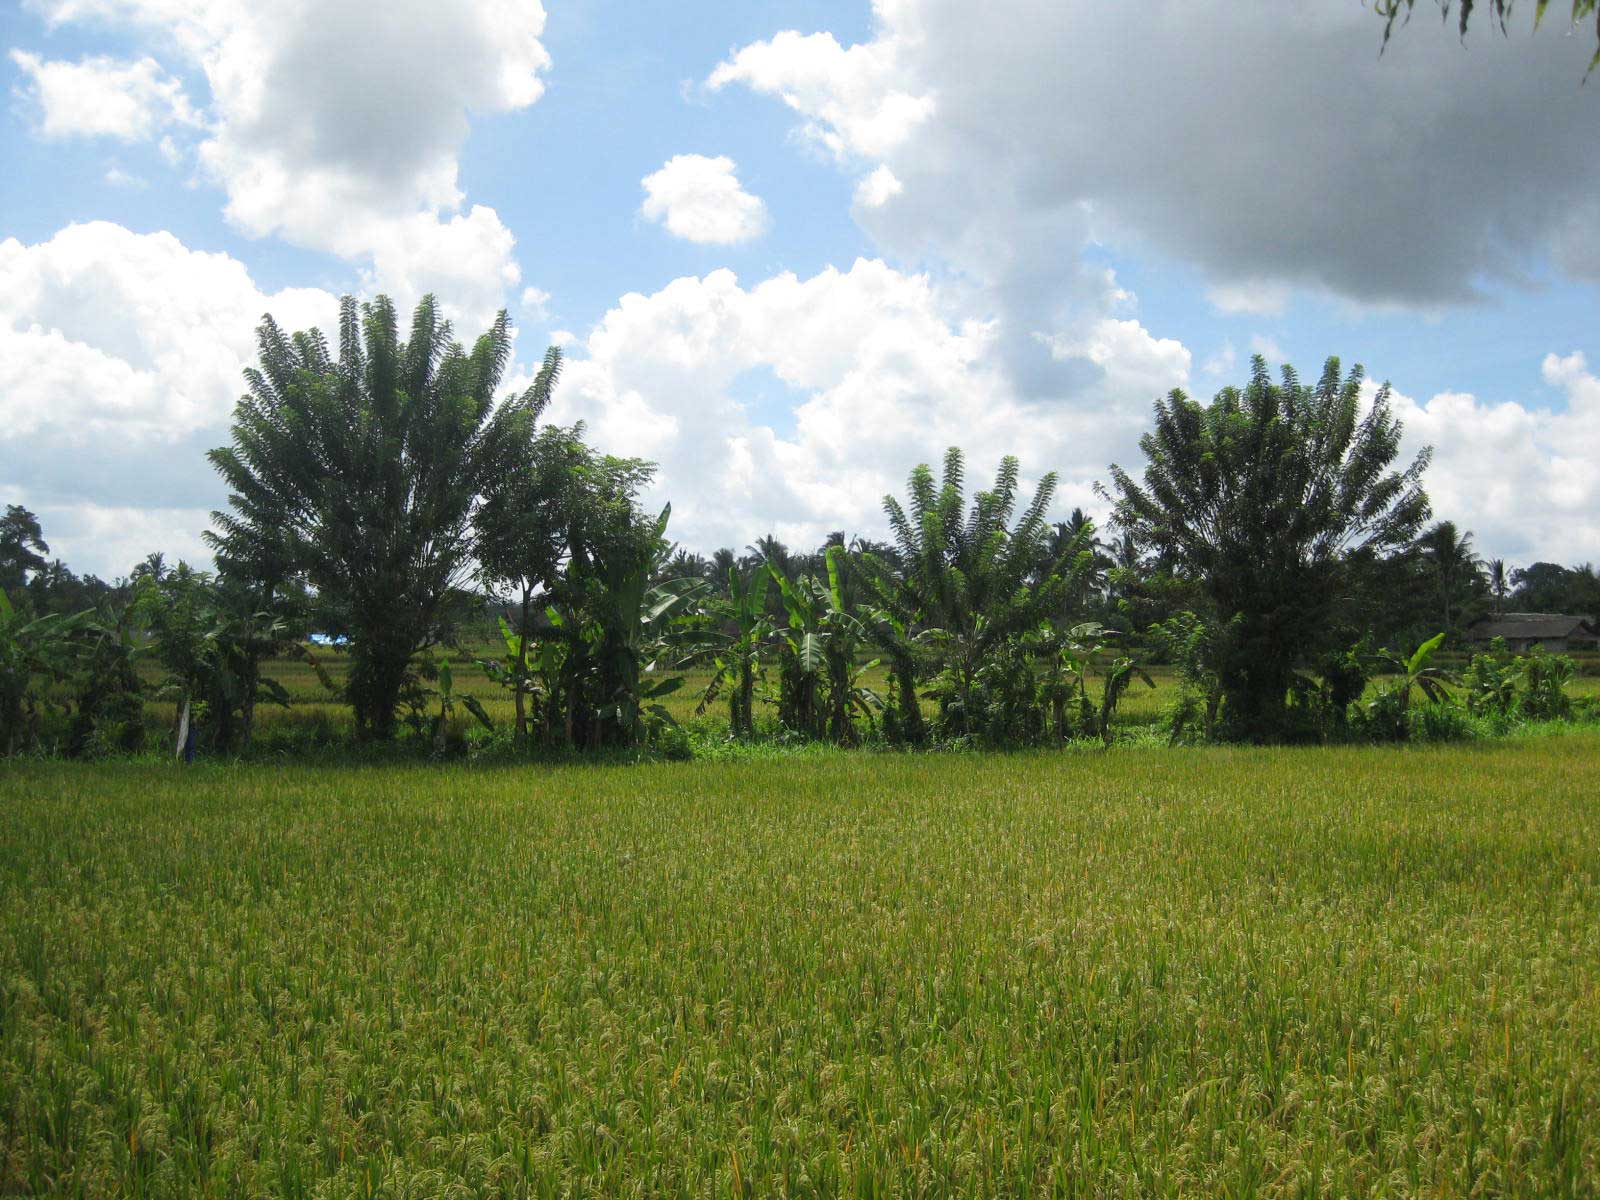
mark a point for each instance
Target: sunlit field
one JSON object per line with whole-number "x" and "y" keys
{"x": 1352, "y": 971}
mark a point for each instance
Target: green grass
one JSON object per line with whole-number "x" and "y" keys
{"x": 1201, "y": 972}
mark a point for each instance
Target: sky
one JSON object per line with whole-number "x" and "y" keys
{"x": 791, "y": 250}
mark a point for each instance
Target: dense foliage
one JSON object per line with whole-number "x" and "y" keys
{"x": 1273, "y": 498}
{"x": 361, "y": 473}
{"x": 1271, "y": 556}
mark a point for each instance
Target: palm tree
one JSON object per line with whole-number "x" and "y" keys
{"x": 722, "y": 561}
{"x": 362, "y": 472}
{"x": 769, "y": 550}
{"x": 969, "y": 572}
{"x": 1079, "y": 528}
{"x": 1456, "y": 572}
{"x": 1499, "y": 584}
{"x": 1265, "y": 497}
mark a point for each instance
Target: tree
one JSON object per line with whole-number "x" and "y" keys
{"x": 524, "y": 526}
{"x": 22, "y": 549}
{"x": 820, "y": 684}
{"x": 1499, "y": 584}
{"x": 1398, "y": 12}
{"x": 1550, "y": 587}
{"x": 968, "y": 576}
{"x": 363, "y": 471}
{"x": 1266, "y": 496}
{"x": 212, "y": 641}
{"x": 739, "y": 629}
{"x": 1455, "y": 571}
{"x": 34, "y": 651}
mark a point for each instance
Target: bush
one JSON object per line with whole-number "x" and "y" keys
{"x": 1544, "y": 686}
{"x": 671, "y": 741}
{"x": 1442, "y": 722}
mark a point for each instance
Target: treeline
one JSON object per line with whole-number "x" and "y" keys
{"x": 1271, "y": 548}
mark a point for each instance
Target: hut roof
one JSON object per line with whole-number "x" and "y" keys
{"x": 1514, "y": 626}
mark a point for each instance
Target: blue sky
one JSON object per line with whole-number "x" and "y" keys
{"x": 792, "y": 249}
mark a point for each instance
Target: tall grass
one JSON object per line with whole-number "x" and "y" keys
{"x": 1318, "y": 972}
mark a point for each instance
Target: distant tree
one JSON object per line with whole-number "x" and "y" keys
{"x": 362, "y": 472}
{"x": 723, "y": 561}
{"x": 22, "y": 549}
{"x": 685, "y": 564}
{"x": 1079, "y": 529}
{"x": 1550, "y": 587}
{"x": 1499, "y": 584}
{"x": 1398, "y": 12}
{"x": 1264, "y": 497}
{"x": 1455, "y": 572}
{"x": 769, "y": 551}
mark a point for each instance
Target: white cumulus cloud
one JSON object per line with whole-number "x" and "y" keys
{"x": 102, "y": 97}
{"x": 120, "y": 361}
{"x": 337, "y": 125}
{"x": 850, "y": 96}
{"x": 887, "y": 374}
{"x": 701, "y": 200}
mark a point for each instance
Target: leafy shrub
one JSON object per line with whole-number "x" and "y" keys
{"x": 672, "y": 741}
{"x": 1439, "y": 722}
{"x": 1544, "y": 686}
{"x": 1489, "y": 684}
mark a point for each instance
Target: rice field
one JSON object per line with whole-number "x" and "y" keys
{"x": 1319, "y": 972}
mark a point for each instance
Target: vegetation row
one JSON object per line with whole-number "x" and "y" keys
{"x": 1273, "y": 552}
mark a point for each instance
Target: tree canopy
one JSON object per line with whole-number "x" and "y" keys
{"x": 362, "y": 473}
{"x": 1267, "y": 496}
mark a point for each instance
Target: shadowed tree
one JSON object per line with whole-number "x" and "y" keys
{"x": 22, "y": 549}
{"x": 1499, "y": 584}
{"x": 1266, "y": 496}
{"x": 1455, "y": 572}
{"x": 362, "y": 473}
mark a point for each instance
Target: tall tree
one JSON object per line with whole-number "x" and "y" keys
{"x": 969, "y": 573}
{"x": 1499, "y": 584}
{"x": 1454, "y": 570}
{"x": 1265, "y": 496}
{"x": 22, "y": 549}
{"x": 362, "y": 472}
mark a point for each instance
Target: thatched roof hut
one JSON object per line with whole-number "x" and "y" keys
{"x": 1556, "y": 632}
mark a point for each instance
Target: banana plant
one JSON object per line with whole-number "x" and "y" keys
{"x": 447, "y": 707}
{"x": 628, "y": 633}
{"x": 32, "y": 650}
{"x": 1068, "y": 656}
{"x": 800, "y": 656}
{"x": 739, "y": 630}
{"x": 1418, "y": 672}
{"x": 821, "y": 687}
{"x": 1121, "y": 672}
{"x": 513, "y": 670}
{"x": 844, "y": 632}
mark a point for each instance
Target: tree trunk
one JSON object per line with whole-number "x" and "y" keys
{"x": 377, "y": 675}
{"x": 747, "y": 687}
{"x": 911, "y": 726}
{"x": 518, "y": 693}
